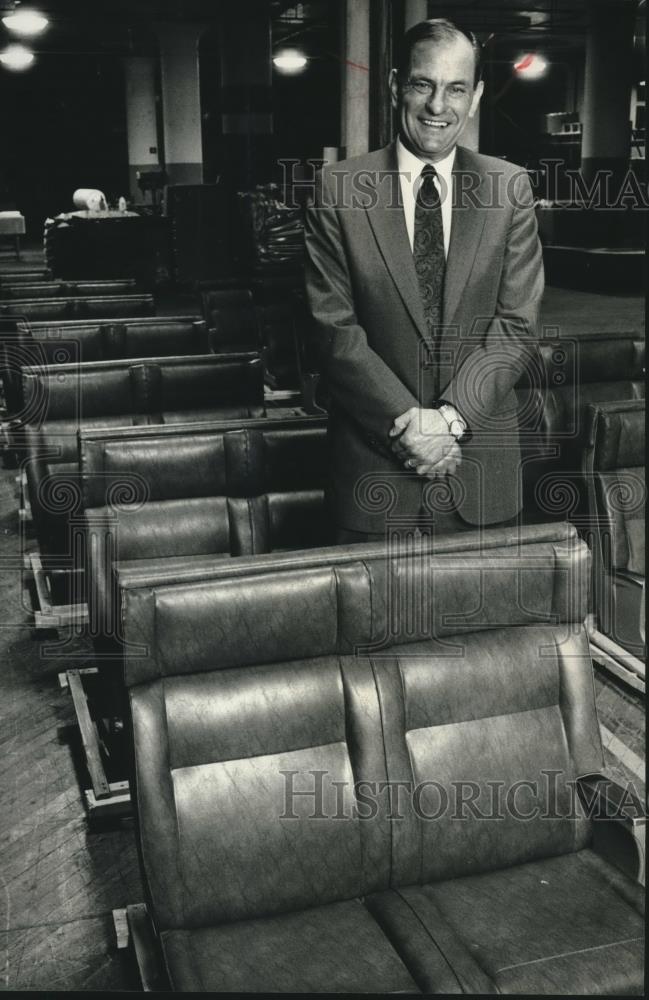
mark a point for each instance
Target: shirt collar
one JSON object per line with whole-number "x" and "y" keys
{"x": 408, "y": 163}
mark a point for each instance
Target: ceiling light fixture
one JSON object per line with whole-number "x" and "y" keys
{"x": 25, "y": 22}
{"x": 16, "y": 57}
{"x": 531, "y": 66}
{"x": 290, "y": 61}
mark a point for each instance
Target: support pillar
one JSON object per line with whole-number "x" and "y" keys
{"x": 381, "y": 62}
{"x": 141, "y": 122}
{"x": 415, "y": 11}
{"x": 606, "y": 136}
{"x": 181, "y": 104}
{"x": 470, "y": 137}
{"x": 246, "y": 95}
{"x": 355, "y": 83}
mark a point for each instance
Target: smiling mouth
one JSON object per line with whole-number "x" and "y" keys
{"x": 431, "y": 123}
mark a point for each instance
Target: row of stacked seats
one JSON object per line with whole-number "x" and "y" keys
{"x": 248, "y": 659}
{"x": 314, "y": 775}
{"x": 75, "y": 341}
{"x": 127, "y": 366}
{"x": 554, "y": 403}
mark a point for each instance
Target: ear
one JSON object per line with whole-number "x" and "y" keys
{"x": 394, "y": 88}
{"x": 475, "y": 100}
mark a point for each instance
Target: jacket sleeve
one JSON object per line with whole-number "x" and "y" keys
{"x": 493, "y": 366}
{"x": 358, "y": 379}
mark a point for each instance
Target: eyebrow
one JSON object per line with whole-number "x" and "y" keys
{"x": 451, "y": 83}
{"x": 418, "y": 76}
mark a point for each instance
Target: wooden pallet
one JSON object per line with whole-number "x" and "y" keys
{"x": 25, "y": 516}
{"x": 104, "y": 799}
{"x": 615, "y": 659}
{"x": 48, "y": 615}
{"x": 134, "y": 930}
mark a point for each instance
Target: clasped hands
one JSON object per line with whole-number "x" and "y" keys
{"x": 421, "y": 439}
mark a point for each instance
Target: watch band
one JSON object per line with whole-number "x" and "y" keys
{"x": 456, "y": 425}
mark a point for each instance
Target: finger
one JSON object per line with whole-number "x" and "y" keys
{"x": 431, "y": 471}
{"x": 401, "y": 452}
{"x": 401, "y": 423}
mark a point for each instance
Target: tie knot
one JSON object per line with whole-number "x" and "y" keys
{"x": 427, "y": 193}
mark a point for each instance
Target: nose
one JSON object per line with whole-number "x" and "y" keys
{"x": 436, "y": 104}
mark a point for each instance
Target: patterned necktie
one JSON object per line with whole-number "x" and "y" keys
{"x": 428, "y": 252}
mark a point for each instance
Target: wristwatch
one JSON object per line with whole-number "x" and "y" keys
{"x": 456, "y": 425}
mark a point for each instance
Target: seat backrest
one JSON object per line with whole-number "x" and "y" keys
{"x": 79, "y": 307}
{"x": 299, "y": 673}
{"x": 241, "y": 488}
{"x": 38, "y": 309}
{"x": 33, "y": 290}
{"x": 65, "y": 392}
{"x": 128, "y": 386}
{"x": 207, "y": 382}
{"x": 50, "y": 289}
{"x": 110, "y": 340}
{"x": 570, "y": 374}
{"x": 113, "y": 305}
{"x": 12, "y": 277}
{"x": 155, "y": 339}
{"x": 614, "y": 463}
{"x": 67, "y": 328}
{"x": 231, "y": 459}
{"x": 74, "y": 342}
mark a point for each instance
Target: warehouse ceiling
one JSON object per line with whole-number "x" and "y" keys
{"x": 124, "y": 26}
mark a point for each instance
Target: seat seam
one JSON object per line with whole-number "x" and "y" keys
{"x": 420, "y": 830}
{"x": 345, "y": 742}
{"x": 337, "y": 596}
{"x": 385, "y": 758}
{"x": 251, "y": 524}
{"x": 561, "y": 668}
{"x": 371, "y": 591}
{"x": 428, "y": 932}
{"x": 566, "y": 954}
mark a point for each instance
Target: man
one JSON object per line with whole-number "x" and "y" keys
{"x": 424, "y": 278}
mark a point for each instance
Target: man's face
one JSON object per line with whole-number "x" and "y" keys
{"x": 430, "y": 123}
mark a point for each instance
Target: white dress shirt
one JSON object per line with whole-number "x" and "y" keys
{"x": 410, "y": 167}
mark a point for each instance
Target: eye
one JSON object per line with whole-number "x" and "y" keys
{"x": 421, "y": 86}
{"x": 457, "y": 89}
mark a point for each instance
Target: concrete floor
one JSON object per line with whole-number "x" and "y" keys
{"x": 572, "y": 312}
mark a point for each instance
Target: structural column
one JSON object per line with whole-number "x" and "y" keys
{"x": 141, "y": 119}
{"x": 606, "y": 137}
{"x": 381, "y": 62}
{"x": 415, "y": 11}
{"x": 181, "y": 101}
{"x": 355, "y": 83}
{"x": 246, "y": 95}
{"x": 470, "y": 136}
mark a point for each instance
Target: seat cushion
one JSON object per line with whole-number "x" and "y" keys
{"x": 333, "y": 948}
{"x": 565, "y": 925}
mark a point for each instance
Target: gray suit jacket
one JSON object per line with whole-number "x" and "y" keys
{"x": 373, "y": 343}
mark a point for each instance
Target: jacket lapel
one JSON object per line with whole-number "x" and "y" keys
{"x": 466, "y": 229}
{"x": 389, "y": 226}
